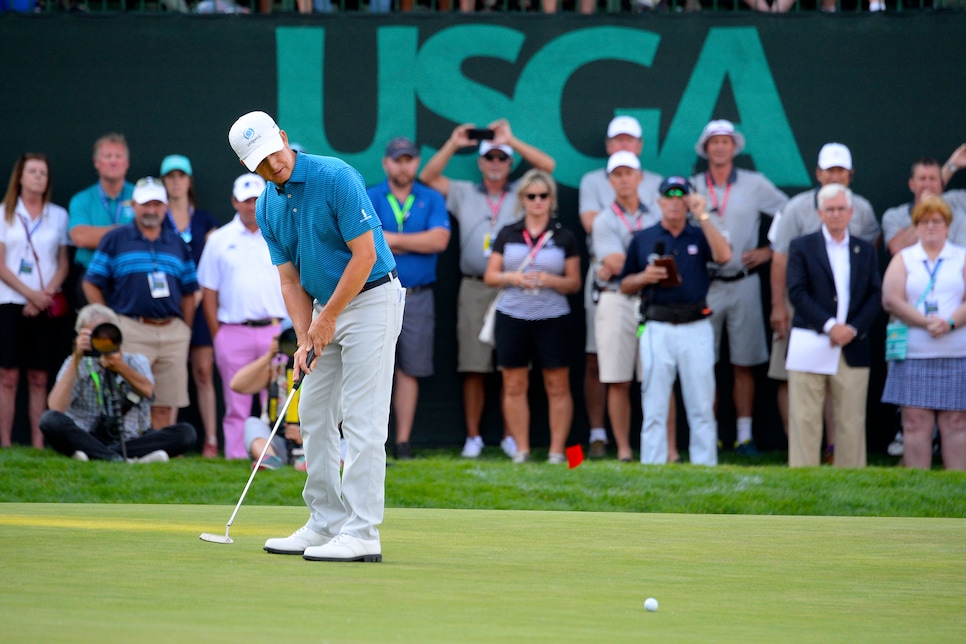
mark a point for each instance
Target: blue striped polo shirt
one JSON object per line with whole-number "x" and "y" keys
{"x": 308, "y": 221}
{"x": 123, "y": 263}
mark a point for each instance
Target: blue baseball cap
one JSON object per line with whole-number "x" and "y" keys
{"x": 175, "y": 162}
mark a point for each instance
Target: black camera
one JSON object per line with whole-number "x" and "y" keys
{"x": 105, "y": 339}
{"x": 288, "y": 342}
{"x": 480, "y": 134}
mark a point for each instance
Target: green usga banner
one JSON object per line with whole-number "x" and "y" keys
{"x": 888, "y": 86}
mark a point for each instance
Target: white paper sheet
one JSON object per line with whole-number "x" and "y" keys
{"x": 811, "y": 352}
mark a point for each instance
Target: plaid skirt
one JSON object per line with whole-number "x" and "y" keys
{"x": 928, "y": 383}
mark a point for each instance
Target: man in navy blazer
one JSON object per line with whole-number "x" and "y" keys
{"x": 834, "y": 284}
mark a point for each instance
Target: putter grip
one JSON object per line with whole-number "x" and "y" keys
{"x": 308, "y": 360}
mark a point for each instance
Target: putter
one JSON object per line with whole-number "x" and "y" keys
{"x": 217, "y": 538}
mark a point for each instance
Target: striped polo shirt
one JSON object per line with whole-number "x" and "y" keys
{"x": 309, "y": 219}
{"x": 124, "y": 263}
{"x": 545, "y": 303}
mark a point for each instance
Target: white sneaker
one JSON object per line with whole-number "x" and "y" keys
{"x": 80, "y": 456}
{"x": 556, "y": 459}
{"x": 521, "y": 457}
{"x": 157, "y": 456}
{"x": 509, "y": 446}
{"x": 472, "y": 447}
{"x": 345, "y": 547}
{"x": 896, "y": 447}
{"x": 297, "y": 542}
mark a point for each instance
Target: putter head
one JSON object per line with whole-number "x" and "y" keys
{"x": 215, "y": 538}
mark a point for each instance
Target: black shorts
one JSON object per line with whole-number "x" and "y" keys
{"x": 545, "y": 343}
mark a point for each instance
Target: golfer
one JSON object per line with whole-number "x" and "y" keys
{"x": 338, "y": 279}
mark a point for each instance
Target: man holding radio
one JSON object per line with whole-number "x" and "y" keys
{"x": 677, "y": 338}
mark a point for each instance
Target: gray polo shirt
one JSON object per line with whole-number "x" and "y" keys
{"x": 800, "y": 217}
{"x": 896, "y": 219}
{"x": 480, "y": 218}
{"x": 612, "y": 234}
{"x": 736, "y": 210}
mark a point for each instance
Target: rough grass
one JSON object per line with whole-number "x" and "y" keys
{"x": 441, "y": 479}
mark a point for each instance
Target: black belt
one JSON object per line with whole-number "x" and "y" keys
{"x": 259, "y": 323}
{"x": 379, "y": 282}
{"x": 478, "y": 278}
{"x": 677, "y": 313}
{"x": 419, "y": 289}
{"x": 734, "y": 278}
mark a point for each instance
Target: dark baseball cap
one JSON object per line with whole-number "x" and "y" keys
{"x": 674, "y": 185}
{"x": 401, "y": 146}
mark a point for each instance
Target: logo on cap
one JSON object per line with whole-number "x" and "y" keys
{"x": 249, "y": 133}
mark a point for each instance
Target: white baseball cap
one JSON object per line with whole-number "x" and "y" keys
{"x": 486, "y": 146}
{"x": 149, "y": 189}
{"x": 248, "y": 186}
{"x": 623, "y": 159}
{"x": 253, "y": 137}
{"x": 721, "y": 127}
{"x": 624, "y": 125}
{"x": 834, "y": 155}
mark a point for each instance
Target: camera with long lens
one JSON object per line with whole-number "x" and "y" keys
{"x": 117, "y": 398}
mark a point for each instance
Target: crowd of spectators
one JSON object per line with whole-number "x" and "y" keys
{"x": 674, "y": 267}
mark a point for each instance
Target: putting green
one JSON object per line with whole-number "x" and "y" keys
{"x": 121, "y": 573}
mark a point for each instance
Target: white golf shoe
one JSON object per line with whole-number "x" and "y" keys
{"x": 297, "y": 542}
{"x": 345, "y": 548}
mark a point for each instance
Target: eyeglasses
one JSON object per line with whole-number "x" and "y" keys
{"x": 496, "y": 157}
{"x": 533, "y": 196}
{"x": 675, "y": 192}
{"x": 931, "y": 222}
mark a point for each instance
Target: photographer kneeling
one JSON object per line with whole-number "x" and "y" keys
{"x": 100, "y": 406}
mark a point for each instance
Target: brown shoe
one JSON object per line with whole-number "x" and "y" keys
{"x": 598, "y": 449}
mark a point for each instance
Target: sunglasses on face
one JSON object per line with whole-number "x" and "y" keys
{"x": 496, "y": 157}
{"x": 533, "y": 196}
{"x": 675, "y": 192}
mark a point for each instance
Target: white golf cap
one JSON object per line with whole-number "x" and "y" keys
{"x": 834, "y": 155}
{"x": 623, "y": 159}
{"x": 721, "y": 127}
{"x": 624, "y": 125}
{"x": 253, "y": 137}
{"x": 486, "y": 146}
{"x": 149, "y": 189}
{"x": 248, "y": 186}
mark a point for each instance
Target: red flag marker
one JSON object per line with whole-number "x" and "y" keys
{"x": 575, "y": 456}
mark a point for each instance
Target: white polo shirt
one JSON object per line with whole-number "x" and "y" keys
{"x": 47, "y": 234}
{"x": 236, "y": 263}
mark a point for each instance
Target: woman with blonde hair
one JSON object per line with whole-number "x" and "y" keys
{"x": 536, "y": 263}
{"x": 33, "y": 267}
{"x": 925, "y": 287}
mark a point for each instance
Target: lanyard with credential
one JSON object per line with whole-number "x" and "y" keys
{"x": 714, "y": 199}
{"x": 932, "y": 278}
{"x": 495, "y": 207}
{"x": 533, "y": 249}
{"x": 97, "y": 383}
{"x": 639, "y": 225}
{"x": 401, "y": 213}
{"x": 107, "y": 207}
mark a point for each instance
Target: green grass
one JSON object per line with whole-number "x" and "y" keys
{"x": 122, "y": 573}
{"x": 441, "y": 479}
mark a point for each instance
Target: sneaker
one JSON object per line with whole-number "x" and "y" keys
{"x": 598, "y": 449}
{"x": 80, "y": 456}
{"x": 747, "y": 448}
{"x": 157, "y": 456}
{"x": 345, "y": 548}
{"x": 210, "y": 450}
{"x": 521, "y": 457}
{"x": 896, "y": 447}
{"x": 472, "y": 447}
{"x": 271, "y": 462}
{"x": 403, "y": 452}
{"x": 297, "y": 542}
{"x": 556, "y": 459}
{"x": 509, "y": 446}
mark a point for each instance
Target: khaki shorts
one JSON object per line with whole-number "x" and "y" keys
{"x": 618, "y": 357}
{"x": 738, "y": 305}
{"x": 474, "y": 298}
{"x": 166, "y": 348}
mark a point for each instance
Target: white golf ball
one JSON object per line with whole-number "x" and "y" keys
{"x": 650, "y": 604}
